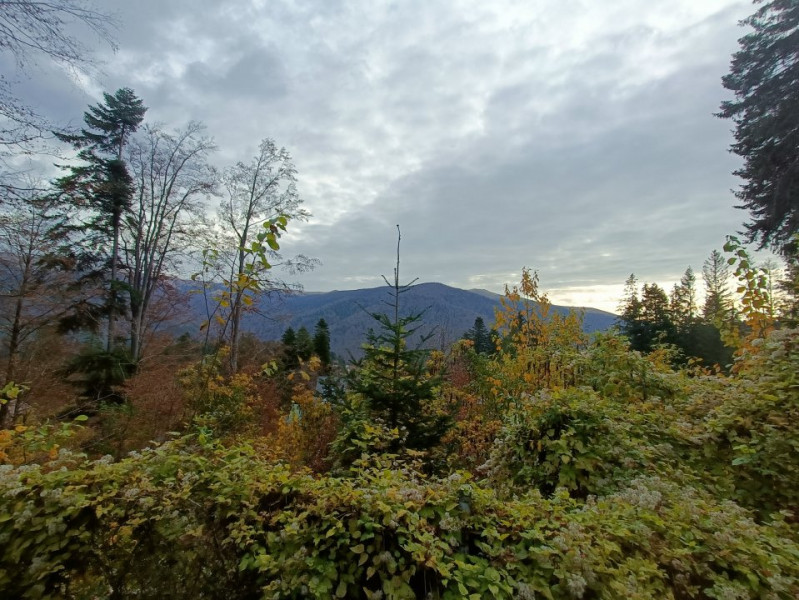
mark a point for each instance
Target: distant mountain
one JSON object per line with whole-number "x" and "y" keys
{"x": 449, "y": 312}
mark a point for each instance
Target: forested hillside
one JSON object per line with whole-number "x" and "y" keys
{"x": 448, "y": 312}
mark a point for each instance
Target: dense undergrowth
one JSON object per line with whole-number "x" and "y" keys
{"x": 632, "y": 480}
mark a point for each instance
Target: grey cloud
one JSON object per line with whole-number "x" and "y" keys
{"x": 491, "y": 141}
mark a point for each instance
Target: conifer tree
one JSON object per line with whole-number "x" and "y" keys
{"x": 99, "y": 189}
{"x": 715, "y": 274}
{"x": 321, "y": 343}
{"x": 481, "y": 337}
{"x": 103, "y": 187}
{"x": 764, "y": 76}
{"x": 682, "y": 302}
{"x": 656, "y": 315}
{"x": 304, "y": 344}
{"x": 789, "y": 286}
{"x": 289, "y": 340}
{"x": 394, "y": 379}
{"x": 629, "y": 322}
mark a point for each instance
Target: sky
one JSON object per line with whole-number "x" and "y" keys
{"x": 573, "y": 137}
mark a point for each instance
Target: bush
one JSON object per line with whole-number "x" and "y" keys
{"x": 193, "y": 519}
{"x": 570, "y": 439}
{"x": 754, "y": 431}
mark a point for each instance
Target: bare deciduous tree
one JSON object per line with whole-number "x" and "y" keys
{"x": 254, "y": 194}
{"x": 55, "y": 31}
{"x": 171, "y": 175}
{"x": 30, "y": 295}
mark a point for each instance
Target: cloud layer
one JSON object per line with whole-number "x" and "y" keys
{"x": 570, "y": 136}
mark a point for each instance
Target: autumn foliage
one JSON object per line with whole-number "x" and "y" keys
{"x": 573, "y": 467}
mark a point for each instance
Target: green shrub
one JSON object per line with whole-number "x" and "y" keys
{"x": 193, "y": 519}
{"x": 571, "y": 439}
{"x": 753, "y": 432}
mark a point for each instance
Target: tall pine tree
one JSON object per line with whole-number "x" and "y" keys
{"x": 715, "y": 274}
{"x": 321, "y": 343}
{"x": 764, "y": 76}
{"x": 481, "y": 337}
{"x": 394, "y": 379}
{"x": 102, "y": 186}
{"x": 100, "y": 189}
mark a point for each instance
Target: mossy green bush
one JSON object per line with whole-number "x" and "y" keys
{"x": 194, "y": 519}
{"x": 572, "y": 439}
{"x": 753, "y": 431}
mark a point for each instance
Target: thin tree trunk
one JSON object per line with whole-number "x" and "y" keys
{"x": 112, "y": 295}
{"x": 235, "y": 305}
{"x": 13, "y": 342}
{"x": 135, "y": 331}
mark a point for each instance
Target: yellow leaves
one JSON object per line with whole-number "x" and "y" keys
{"x": 243, "y": 281}
{"x": 301, "y": 374}
{"x": 304, "y": 434}
{"x": 306, "y": 369}
{"x": 535, "y": 341}
{"x": 10, "y": 391}
{"x": 269, "y": 369}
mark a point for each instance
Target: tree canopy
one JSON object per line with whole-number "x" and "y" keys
{"x": 764, "y": 76}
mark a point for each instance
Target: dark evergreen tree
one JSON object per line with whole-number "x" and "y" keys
{"x": 481, "y": 337}
{"x": 695, "y": 338}
{"x": 658, "y": 324}
{"x": 789, "y": 286}
{"x": 682, "y": 303}
{"x": 394, "y": 379}
{"x": 102, "y": 186}
{"x": 629, "y": 322}
{"x": 99, "y": 375}
{"x": 764, "y": 75}
{"x": 290, "y": 358}
{"x": 304, "y": 344}
{"x": 655, "y": 319}
{"x": 646, "y": 322}
{"x": 289, "y": 338}
{"x": 717, "y": 298}
{"x": 703, "y": 341}
{"x": 321, "y": 343}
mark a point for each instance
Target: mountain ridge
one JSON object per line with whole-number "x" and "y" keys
{"x": 448, "y": 312}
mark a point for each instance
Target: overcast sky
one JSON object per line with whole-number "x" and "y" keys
{"x": 575, "y": 137}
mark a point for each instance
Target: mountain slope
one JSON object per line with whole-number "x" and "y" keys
{"x": 448, "y": 313}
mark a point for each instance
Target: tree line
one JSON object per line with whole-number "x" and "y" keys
{"x": 94, "y": 252}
